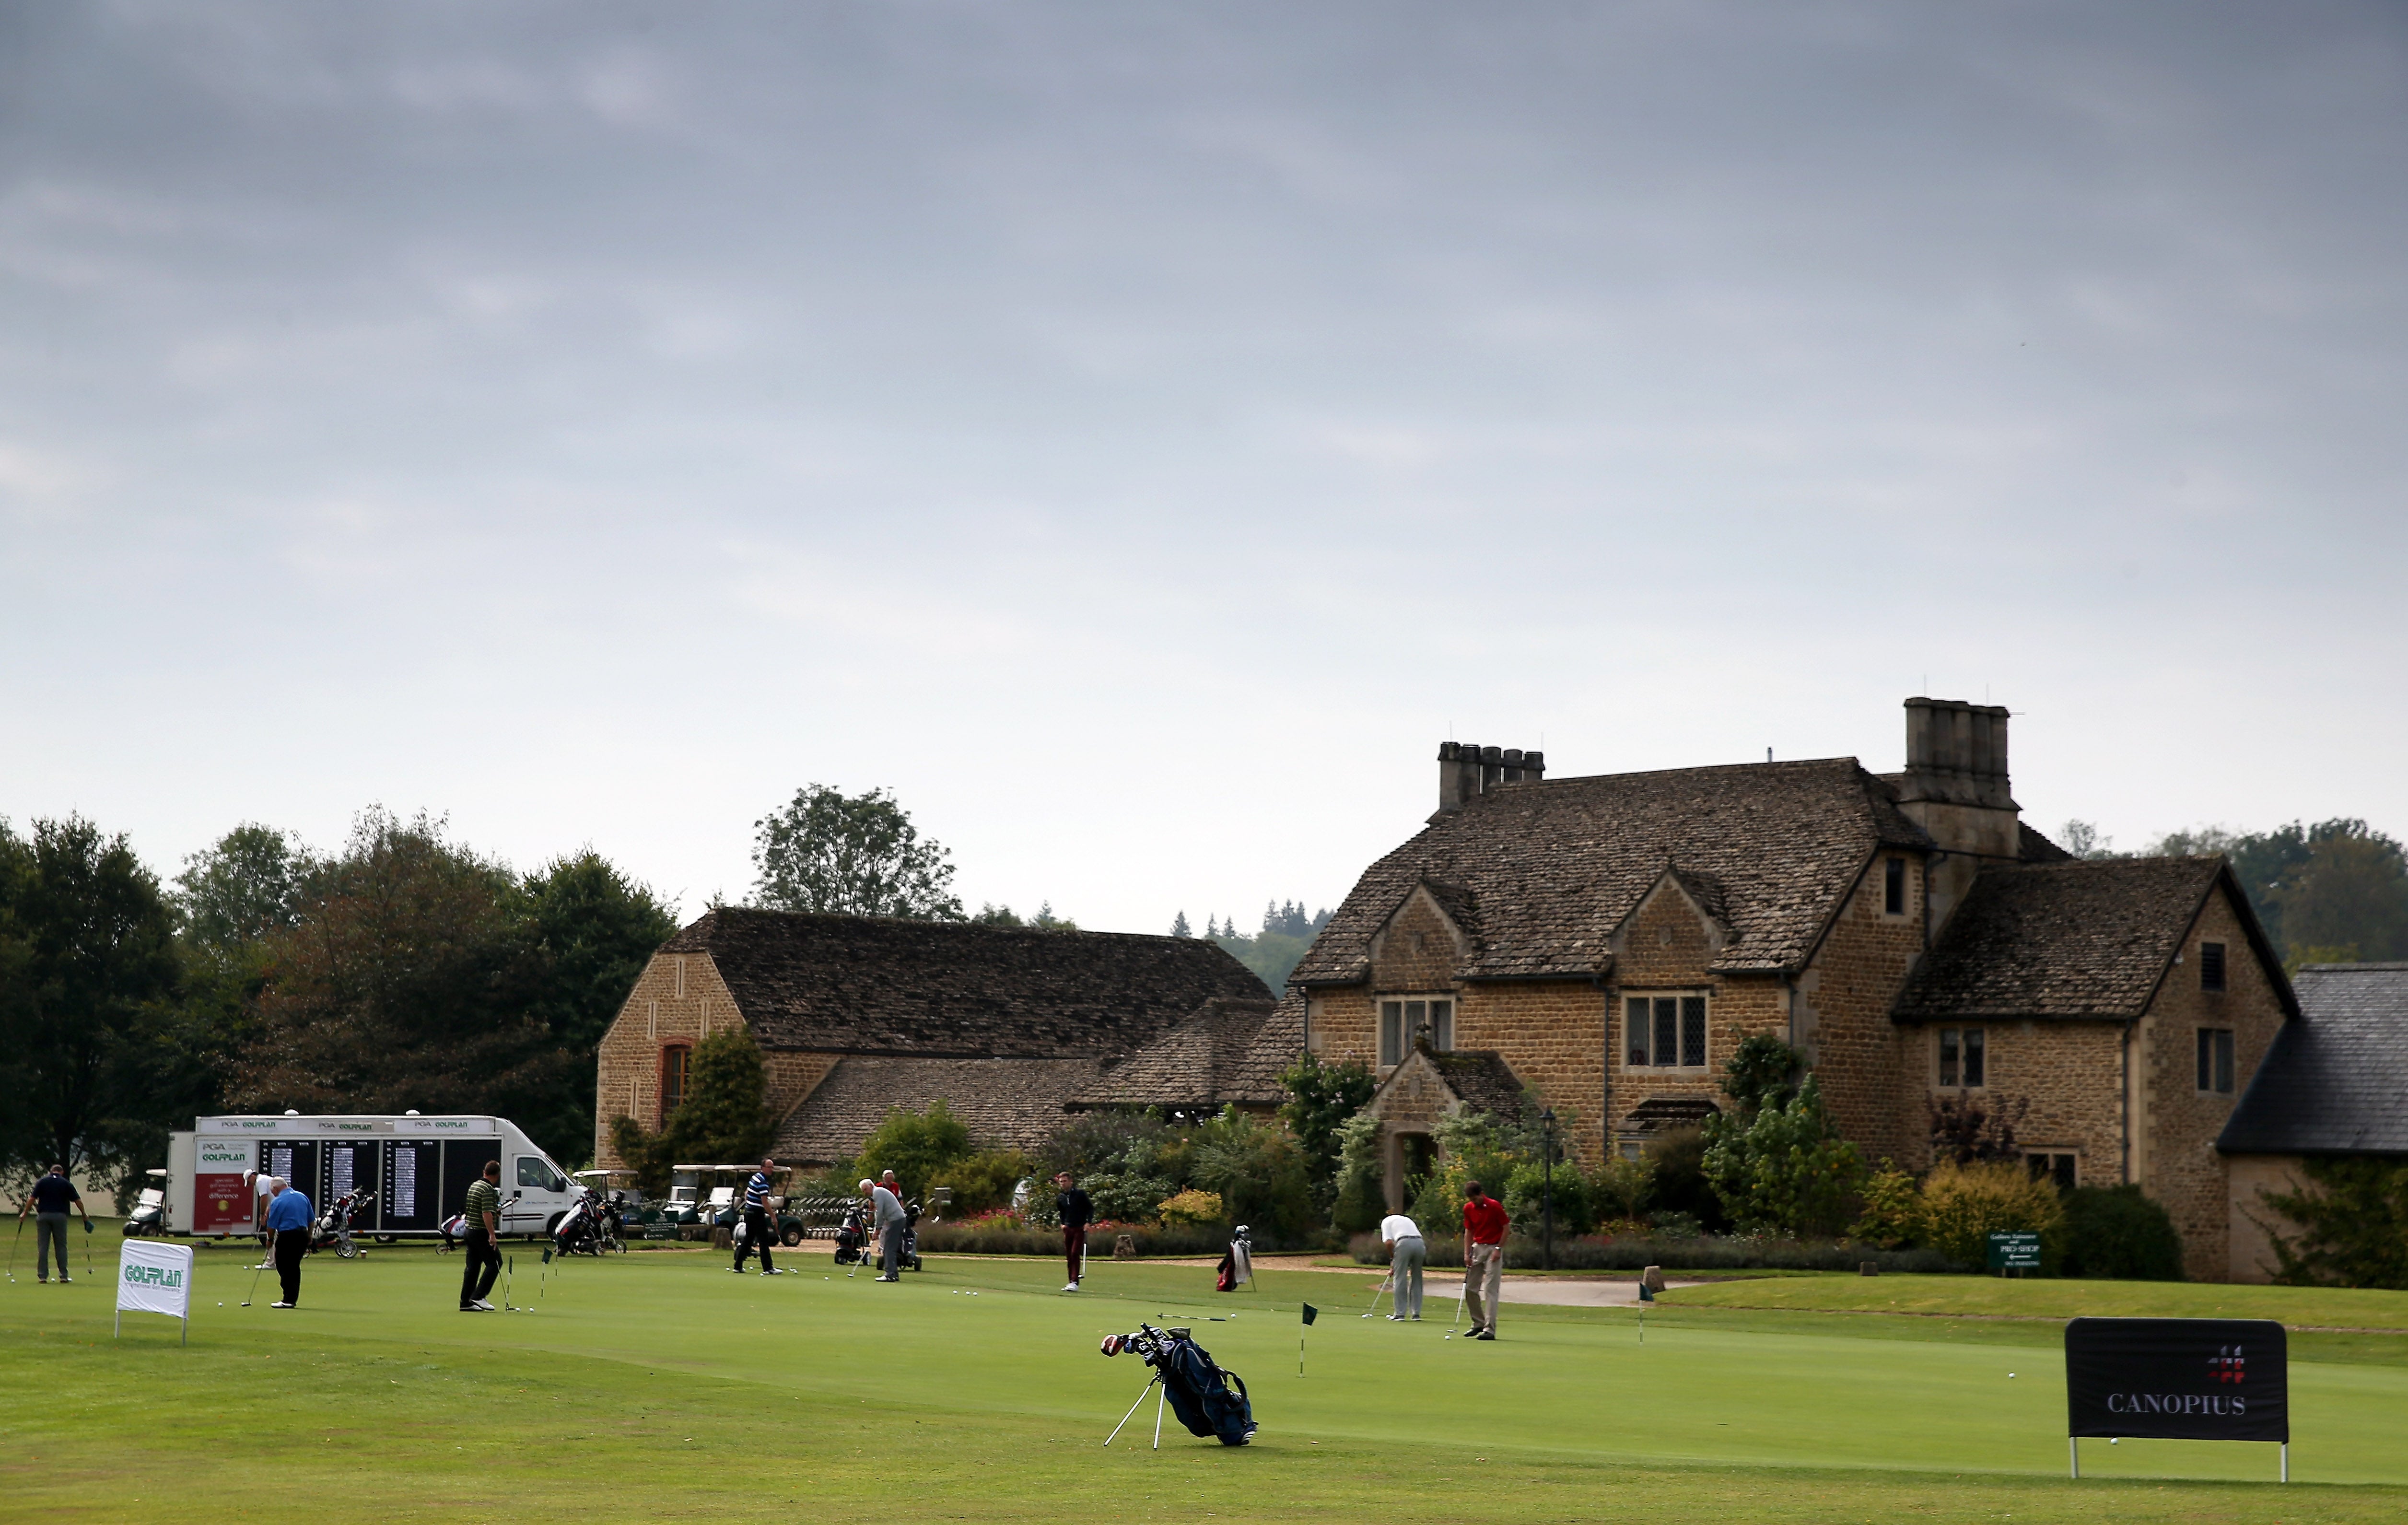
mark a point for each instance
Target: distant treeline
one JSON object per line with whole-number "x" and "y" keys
{"x": 402, "y": 970}
{"x": 1271, "y": 953}
{"x": 2334, "y": 892}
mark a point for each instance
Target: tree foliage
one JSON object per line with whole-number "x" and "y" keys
{"x": 96, "y": 1051}
{"x": 2120, "y": 1234}
{"x": 2336, "y": 891}
{"x": 1361, "y": 1186}
{"x": 413, "y": 973}
{"x": 724, "y": 1120}
{"x": 916, "y": 1145}
{"x": 1964, "y": 1205}
{"x": 1966, "y": 1129}
{"x": 2352, "y": 1223}
{"x": 1273, "y": 952}
{"x": 856, "y": 856}
{"x": 1320, "y": 1100}
{"x": 1785, "y": 1169}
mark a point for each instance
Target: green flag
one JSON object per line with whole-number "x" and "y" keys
{"x": 1310, "y": 1313}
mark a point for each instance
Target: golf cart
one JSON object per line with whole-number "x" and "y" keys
{"x": 150, "y": 1215}
{"x": 718, "y": 1199}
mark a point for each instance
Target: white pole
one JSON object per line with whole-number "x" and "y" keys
{"x": 2286, "y": 1461}
{"x": 2073, "y": 1446}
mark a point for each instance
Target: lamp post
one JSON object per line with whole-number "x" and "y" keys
{"x": 1547, "y": 1174}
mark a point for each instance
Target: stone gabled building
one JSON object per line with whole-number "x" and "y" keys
{"x": 1611, "y": 939}
{"x": 1010, "y": 1026}
{"x": 2333, "y": 1086}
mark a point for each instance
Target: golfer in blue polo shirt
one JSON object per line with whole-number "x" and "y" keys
{"x": 287, "y": 1220}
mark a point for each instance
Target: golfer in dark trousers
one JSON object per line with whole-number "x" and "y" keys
{"x": 758, "y": 1230}
{"x": 1076, "y": 1212}
{"x": 49, "y": 1201}
{"x": 287, "y": 1220}
{"x": 483, "y": 1210}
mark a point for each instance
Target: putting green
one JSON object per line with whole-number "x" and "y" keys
{"x": 977, "y": 1386}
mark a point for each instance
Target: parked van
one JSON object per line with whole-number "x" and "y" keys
{"x": 419, "y": 1167}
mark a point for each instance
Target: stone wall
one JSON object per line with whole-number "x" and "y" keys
{"x": 678, "y": 998}
{"x": 2065, "y": 1076}
{"x": 1840, "y": 1015}
{"x": 2177, "y": 1123}
{"x": 2249, "y": 1251}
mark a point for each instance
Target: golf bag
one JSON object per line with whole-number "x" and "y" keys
{"x": 583, "y": 1229}
{"x": 909, "y": 1258}
{"x": 454, "y": 1231}
{"x": 1207, "y": 1400}
{"x": 848, "y": 1236}
{"x": 332, "y": 1229}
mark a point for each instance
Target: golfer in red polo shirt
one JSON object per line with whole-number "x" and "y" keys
{"x": 1484, "y": 1258}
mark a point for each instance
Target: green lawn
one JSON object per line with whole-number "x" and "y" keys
{"x": 2045, "y": 1298}
{"x": 660, "y": 1388}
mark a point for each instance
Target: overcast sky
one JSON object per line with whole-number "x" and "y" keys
{"x": 1138, "y": 434}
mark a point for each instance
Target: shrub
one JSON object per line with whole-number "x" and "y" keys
{"x": 1622, "y": 1184}
{"x": 983, "y": 1182}
{"x": 1682, "y": 1186}
{"x": 1362, "y": 1191}
{"x": 2120, "y": 1234}
{"x": 1893, "y": 1210}
{"x": 1525, "y": 1195}
{"x": 1322, "y": 1100}
{"x": 916, "y": 1145}
{"x": 1192, "y": 1209}
{"x": 1964, "y": 1205}
{"x": 2352, "y": 1224}
{"x": 1784, "y": 1170}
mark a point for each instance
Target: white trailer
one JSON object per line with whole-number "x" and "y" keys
{"x": 419, "y": 1167}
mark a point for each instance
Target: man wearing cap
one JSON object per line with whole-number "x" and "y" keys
{"x": 887, "y": 1216}
{"x": 49, "y": 1201}
{"x": 287, "y": 1220}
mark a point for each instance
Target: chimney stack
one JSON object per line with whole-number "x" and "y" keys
{"x": 1955, "y": 787}
{"x": 1466, "y": 771}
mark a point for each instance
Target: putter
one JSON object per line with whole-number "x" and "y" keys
{"x": 255, "y": 1273}
{"x": 12, "y": 1249}
{"x": 1460, "y": 1294}
{"x": 510, "y": 1269}
{"x": 87, "y": 1248}
{"x": 1377, "y": 1288}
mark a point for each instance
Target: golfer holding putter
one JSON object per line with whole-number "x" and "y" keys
{"x": 886, "y": 1221}
{"x": 1402, "y": 1237}
{"x": 1484, "y": 1258}
{"x": 482, "y": 1208}
{"x": 287, "y": 1220}
{"x": 49, "y": 1201}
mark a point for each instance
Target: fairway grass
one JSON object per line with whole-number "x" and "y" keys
{"x": 660, "y": 1386}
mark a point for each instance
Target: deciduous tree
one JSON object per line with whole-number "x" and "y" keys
{"x": 857, "y": 855}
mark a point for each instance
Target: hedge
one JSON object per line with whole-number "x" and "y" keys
{"x": 1706, "y": 1252}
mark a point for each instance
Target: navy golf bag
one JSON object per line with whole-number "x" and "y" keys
{"x": 1207, "y": 1400}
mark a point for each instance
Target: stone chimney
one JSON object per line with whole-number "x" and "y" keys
{"x": 1466, "y": 771}
{"x": 1955, "y": 787}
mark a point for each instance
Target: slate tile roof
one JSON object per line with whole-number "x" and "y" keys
{"x": 2336, "y": 1080}
{"x": 1229, "y": 1051}
{"x": 865, "y": 984}
{"x": 1006, "y": 1103}
{"x": 1552, "y": 869}
{"x": 1482, "y": 1080}
{"x": 2069, "y": 940}
{"x": 1664, "y": 1113}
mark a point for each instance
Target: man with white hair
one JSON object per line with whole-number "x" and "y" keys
{"x": 886, "y": 1218}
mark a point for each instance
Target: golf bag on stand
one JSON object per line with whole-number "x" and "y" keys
{"x": 848, "y": 1236}
{"x": 1207, "y": 1400}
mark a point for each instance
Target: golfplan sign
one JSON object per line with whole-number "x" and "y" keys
{"x": 153, "y": 1277}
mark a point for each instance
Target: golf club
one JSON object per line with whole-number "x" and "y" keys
{"x": 1461, "y": 1292}
{"x": 87, "y": 1247}
{"x": 1377, "y": 1288}
{"x": 255, "y": 1282}
{"x": 12, "y": 1249}
{"x": 509, "y": 1268}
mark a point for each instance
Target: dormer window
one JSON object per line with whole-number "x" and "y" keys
{"x": 1664, "y": 1033}
{"x": 1401, "y": 1021}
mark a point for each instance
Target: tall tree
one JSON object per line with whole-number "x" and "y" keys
{"x": 91, "y": 1029}
{"x": 591, "y": 930}
{"x": 406, "y": 982}
{"x": 853, "y": 855}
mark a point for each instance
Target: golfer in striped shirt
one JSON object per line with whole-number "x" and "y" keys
{"x": 758, "y": 1230}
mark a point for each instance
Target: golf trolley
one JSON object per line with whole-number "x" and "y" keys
{"x": 1207, "y": 1400}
